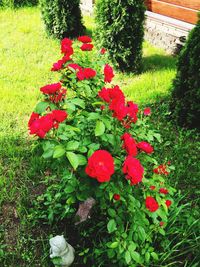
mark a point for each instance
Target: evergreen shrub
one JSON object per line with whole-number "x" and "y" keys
{"x": 186, "y": 91}
{"x": 120, "y": 29}
{"x": 62, "y": 17}
{"x": 17, "y": 3}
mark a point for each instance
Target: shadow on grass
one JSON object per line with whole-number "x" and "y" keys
{"x": 158, "y": 62}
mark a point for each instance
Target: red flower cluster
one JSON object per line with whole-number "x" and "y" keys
{"x": 161, "y": 169}
{"x": 87, "y": 47}
{"x": 116, "y": 99}
{"x": 168, "y": 203}
{"x": 164, "y": 191}
{"x": 129, "y": 144}
{"x": 146, "y": 147}
{"x": 152, "y": 187}
{"x": 66, "y": 47}
{"x": 60, "y": 63}
{"x": 86, "y": 73}
{"x": 133, "y": 170}
{"x": 108, "y": 74}
{"x": 147, "y": 111}
{"x": 116, "y": 197}
{"x": 41, "y": 125}
{"x": 151, "y": 204}
{"x": 85, "y": 39}
{"x": 82, "y": 73}
{"x": 100, "y": 166}
{"x": 55, "y": 92}
{"x": 103, "y": 51}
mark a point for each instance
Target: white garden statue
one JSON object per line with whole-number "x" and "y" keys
{"x": 61, "y": 249}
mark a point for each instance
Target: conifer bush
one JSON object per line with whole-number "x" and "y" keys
{"x": 62, "y": 18}
{"x": 17, "y": 3}
{"x": 186, "y": 91}
{"x": 120, "y": 29}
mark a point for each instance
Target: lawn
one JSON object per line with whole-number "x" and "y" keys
{"x": 27, "y": 54}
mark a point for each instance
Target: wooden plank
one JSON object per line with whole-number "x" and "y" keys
{"x": 193, "y": 4}
{"x": 173, "y": 11}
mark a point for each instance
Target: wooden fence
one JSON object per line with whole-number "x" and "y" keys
{"x": 185, "y": 10}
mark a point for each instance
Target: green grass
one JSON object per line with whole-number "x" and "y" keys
{"x": 25, "y": 61}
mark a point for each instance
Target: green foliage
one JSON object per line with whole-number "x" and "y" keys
{"x": 62, "y": 17}
{"x": 17, "y": 3}
{"x": 186, "y": 92}
{"x": 120, "y": 29}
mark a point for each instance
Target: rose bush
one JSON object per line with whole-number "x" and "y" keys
{"x": 102, "y": 147}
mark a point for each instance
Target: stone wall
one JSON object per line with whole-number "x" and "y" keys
{"x": 166, "y": 33}
{"x": 161, "y": 31}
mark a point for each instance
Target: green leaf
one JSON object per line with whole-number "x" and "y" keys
{"x": 154, "y": 256}
{"x": 48, "y": 153}
{"x": 71, "y": 106}
{"x": 73, "y": 159}
{"x": 41, "y": 107}
{"x": 135, "y": 256}
{"x": 69, "y": 189}
{"x": 132, "y": 247}
{"x": 59, "y": 151}
{"x": 128, "y": 257}
{"x": 112, "y": 213}
{"x": 114, "y": 245}
{"x": 100, "y": 128}
{"x": 111, "y": 226}
{"x": 142, "y": 233}
{"x": 93, "y": 116}
{"x": 147, "y": 257}
{"x": 81, "y": 159}
{"x": 72, "y": 145}
{"x": 78, "y": 102}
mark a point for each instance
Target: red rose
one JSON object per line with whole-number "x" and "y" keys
{"x": 74, "y": 66}
{"x": 129, "y": 144}
{"x": 162, "y": 223}
{"x": 89, "y": 73}
{"x": 116, "y": 197}
{"x": 163, "y": 191}
{"x": 108, "y": 73}
{"x": 146, "y": 147}
{"x": 100, "y": 166}
{"x": 152, "y": 187}
{"x": 103, "y": 51}
{"x": 66, "y": 47}
{"x": 116, "y": 93}
{"x": 34, "y": 117}
{"x": 151, "y": 204}
{"x": 132, "y": 110}
{"x": 50, "y": 88}
{"x": 134, "y": 170}
{"x": 168, "y": 203}
{"x": 87, "y": 47}
{"x": 104, "y": 94}
{"x": 59, "y": 115}
{"x": 161, "y": 169}
{"x": 46, "y": 122}
{"x": 119, "y": 109}
{"x": 57, "y": 65}
{"x": 80, "y": 75}
{"x": 147, "y": 111}
{"x": 59, "y": 96}
{"x": 66, "y": 58}
{"x": 86, "y": 73}
{"x": 85, "y": 39}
